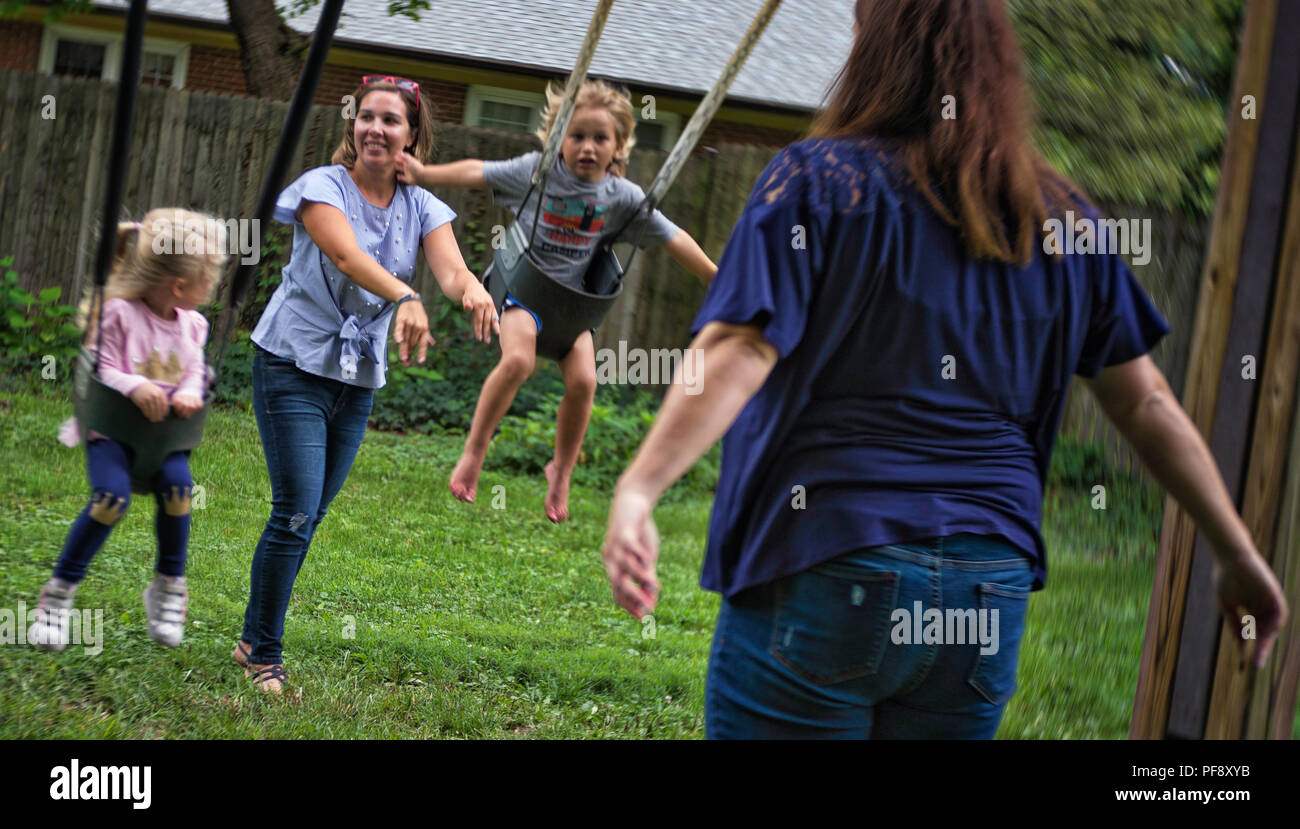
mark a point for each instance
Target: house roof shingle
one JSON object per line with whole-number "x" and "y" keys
{"x": 665, "y": 44}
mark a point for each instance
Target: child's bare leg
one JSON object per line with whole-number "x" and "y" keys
{"x": 579, "y": 369}
{"x": 518, "y": 353}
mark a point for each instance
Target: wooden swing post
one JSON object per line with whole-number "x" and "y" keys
{"x": 1195, "y": 680}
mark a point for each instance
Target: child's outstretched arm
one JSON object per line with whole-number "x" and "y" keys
{"x": 467, "y": 173}
{"x": 691, "y": 256}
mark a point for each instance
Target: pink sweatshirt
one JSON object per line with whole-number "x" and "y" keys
{"x": 142, "y": 347}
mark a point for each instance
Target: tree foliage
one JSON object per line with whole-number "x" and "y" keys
{"x": 1132, "y": 94}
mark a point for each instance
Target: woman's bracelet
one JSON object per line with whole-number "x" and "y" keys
{"x": 409, "y": 296}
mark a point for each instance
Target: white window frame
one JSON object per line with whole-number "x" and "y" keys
{"x": 670, "y": 121}
{"x": 53, "y": 32}
{"x": 474, "y": 98}
{"x": 476, "y": 95}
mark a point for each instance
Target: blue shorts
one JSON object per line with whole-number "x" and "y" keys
{"x": 511, "y": 302}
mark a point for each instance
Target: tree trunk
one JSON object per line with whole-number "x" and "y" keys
{"x": 269, "y": 51}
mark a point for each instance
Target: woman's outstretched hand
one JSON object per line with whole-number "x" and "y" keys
{"x": 1246, "y": 583}
{"x": 482, "y": 310}
{"x": 412, "y": 331}
{"x": 631, "y": 553}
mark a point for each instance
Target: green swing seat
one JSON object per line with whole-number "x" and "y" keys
{"x": 110, "y": 413}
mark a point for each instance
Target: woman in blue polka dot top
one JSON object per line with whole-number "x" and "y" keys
{"x": 322, "y": 341}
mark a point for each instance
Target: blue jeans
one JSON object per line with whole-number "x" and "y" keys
{"x": 311, "y": 429}
{"x": 848, "y": 649}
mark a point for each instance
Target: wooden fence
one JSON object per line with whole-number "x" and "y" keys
{"x": 209, "y": 152}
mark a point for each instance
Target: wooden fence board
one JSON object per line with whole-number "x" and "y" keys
{"x": 1273, "y": 701}
{"x": 1234, "y": 415}
{"x": 99, "y": 108}
{"x": 11, "y": 87}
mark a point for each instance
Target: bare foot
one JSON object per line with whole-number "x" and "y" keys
{"x": 241, "y": 653}
{"x": 464, "y": 478}
{"x": 557, "y": 494}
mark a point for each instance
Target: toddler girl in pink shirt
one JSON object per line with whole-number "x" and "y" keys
{"x": 167, "y": 265}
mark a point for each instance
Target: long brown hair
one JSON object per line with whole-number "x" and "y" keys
{"x": 418, "y": 117}
{"x": 972, "y": 148}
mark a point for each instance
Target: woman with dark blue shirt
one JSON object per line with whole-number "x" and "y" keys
{"x": 887, "y": 346}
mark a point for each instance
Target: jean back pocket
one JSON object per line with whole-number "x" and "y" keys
{"x": 1003, "y": 606}
{"x": 832, "y": 622}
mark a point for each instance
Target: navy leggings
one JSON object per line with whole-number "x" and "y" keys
{"x": 108, "y": 466}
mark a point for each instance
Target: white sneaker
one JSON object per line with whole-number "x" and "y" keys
{"x": 49, "y": 630}
{"x": 165, "y": 600}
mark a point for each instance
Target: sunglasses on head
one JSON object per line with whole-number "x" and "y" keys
{"x": 400, "y": 83}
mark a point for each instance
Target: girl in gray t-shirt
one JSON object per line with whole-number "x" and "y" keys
{"x": 586, "y": 199}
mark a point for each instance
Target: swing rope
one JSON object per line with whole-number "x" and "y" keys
{"x": 128, "y": 85}
{"x": 694, "y": 128}
{"x": 564, "y": 114}
{"x": 686, "y": 142}
{"x": 515, "y": 274}
{"x": 708, "y": 107}
{"x": 294, "y": 121}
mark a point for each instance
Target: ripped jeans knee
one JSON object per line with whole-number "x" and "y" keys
{"x": 289, "y": 531}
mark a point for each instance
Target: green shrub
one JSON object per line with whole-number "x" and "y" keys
{"x": 235, "y": 378}
{"x": 619, "y": 423}
{"x": 1077, "y": 463}
{"x": 420, "y": 403}
{"x": 277, "y": 245}
{"x": 526, "y": 442}
{"x": 1119, "y": 515}
{"x": 35, "y": 329}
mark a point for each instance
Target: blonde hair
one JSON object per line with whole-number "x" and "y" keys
{"x": 167, "y": 243}
{"x": 596, "y": 93}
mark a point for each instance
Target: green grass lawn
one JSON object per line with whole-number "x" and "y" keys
{"x": 418, "y": 616}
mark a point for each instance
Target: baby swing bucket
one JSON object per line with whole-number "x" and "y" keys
{"x": 110, "y": 413}
{"x": 565, "y": 312}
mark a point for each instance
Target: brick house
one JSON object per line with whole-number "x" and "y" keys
{"x": 485, "y": 62}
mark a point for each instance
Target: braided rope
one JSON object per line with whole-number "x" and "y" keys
{"x": 708, "y": 107}
{"x": 579, "y": 74}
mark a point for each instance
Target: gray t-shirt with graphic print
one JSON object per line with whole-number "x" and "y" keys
{"x": 575, "y": 214}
